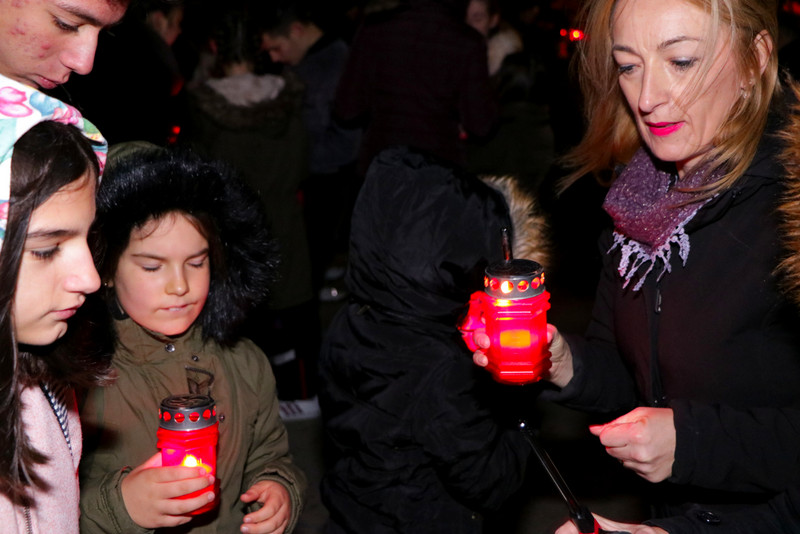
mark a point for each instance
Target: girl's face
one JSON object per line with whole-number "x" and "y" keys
{"x": 659, "y": 47}
{"x": 163, "y": 276}
{"x": 57, "y": 270}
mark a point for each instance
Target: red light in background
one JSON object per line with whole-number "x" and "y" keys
{"x": 792, "y": 7}
{"x": 576, "y": 35}
{"x": 174, "y": 133}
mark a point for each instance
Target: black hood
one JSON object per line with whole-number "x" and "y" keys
{"x": 422, "y": 235}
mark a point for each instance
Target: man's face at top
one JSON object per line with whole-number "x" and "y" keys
{"x": 43, "y": 41}
{"x": 284, "y": 48}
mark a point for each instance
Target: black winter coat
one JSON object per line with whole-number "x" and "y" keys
{"x": 717, "y": 341}
{"x": 415, "y": 447}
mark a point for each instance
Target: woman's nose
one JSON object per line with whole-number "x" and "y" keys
{"x": 654, "y": 90}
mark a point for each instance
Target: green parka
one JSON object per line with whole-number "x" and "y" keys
{"x": 120, "y": 423}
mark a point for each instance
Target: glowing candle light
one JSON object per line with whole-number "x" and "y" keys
{"x": 187, "y": 436}
{"x": 512, "y": 308}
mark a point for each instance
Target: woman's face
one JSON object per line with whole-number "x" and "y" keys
{"x": 659, "y": 46}
{"x": 163, "y": 276}
{"x": 57, "y": 271}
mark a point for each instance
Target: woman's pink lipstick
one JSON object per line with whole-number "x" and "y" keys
{"x": 662, "y": 129}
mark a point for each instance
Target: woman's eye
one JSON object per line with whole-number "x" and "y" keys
{"x": 684, "y": 64}
{"x": 625, "y": 69}
{"x": 150, "y": 268}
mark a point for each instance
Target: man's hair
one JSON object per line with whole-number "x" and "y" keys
{"x": 277, "y": 17}
{"x": 141, "y": 8}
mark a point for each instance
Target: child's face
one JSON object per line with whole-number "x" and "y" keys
{"x": 163, "y": 276}
{"x": 57, "y": 270}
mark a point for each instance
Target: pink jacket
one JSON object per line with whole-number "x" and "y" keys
{"x": 55, "y": 509}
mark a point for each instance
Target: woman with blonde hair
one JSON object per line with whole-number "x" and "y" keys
{"x": 693, "y": 339}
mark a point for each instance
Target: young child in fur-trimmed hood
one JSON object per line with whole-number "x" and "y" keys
{"x": 415, "y": 444}
{"x": 183, "y": 254}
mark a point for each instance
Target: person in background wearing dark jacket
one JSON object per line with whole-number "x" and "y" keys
{"x": 254, "y": 122}
{"x": 693, "y": 343}
{"x": 418, "y": 76}
{"x": 292, "y": 37}
{"x": 416, "y": 442}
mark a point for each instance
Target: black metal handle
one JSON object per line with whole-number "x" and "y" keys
{"x": 580, "y": 515}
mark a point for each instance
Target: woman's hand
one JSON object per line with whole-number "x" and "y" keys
{"x": 149, "y": 493}
{"x": 643, "y": 440}
{"x": 275, "y": 512}
{"x": 560, "y": 372}
{"x": 612, "y": 526}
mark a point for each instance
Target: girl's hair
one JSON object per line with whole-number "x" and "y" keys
{"x": 236, "y": 38}
{"x": 48, "y": 157}
{"x": 145, "y": 184}
{"x": 611, "y": 137}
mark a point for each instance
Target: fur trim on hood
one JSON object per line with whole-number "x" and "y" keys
{"x": 531, "y": 239}
{"x": 145, "y": 184}
{"x": 222, "y": 101}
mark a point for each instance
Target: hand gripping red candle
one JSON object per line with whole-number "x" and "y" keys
{"x": 512, "y": 307}
{"x": 187, "y": 435}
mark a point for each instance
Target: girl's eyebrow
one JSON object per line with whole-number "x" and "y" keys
{"x": 56, "y": 233}
{"x": 150, "y": 256}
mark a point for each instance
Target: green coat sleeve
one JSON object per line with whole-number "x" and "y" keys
{"x": 269, "y": 457}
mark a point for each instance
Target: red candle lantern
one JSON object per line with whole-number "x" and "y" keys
{"x": 188, "y": 433}
{"x": 512, "y": 309}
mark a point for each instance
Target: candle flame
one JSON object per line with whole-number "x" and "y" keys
{"x": 190, "y": 461}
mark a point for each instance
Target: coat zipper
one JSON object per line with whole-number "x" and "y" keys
{"x": 657, "y": 393}
{"x": 27, "y": 513}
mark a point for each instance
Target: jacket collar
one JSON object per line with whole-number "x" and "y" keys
{"x": 142, "y": 345}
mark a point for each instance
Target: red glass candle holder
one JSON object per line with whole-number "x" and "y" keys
{"x": 513, "y": 309}
{"x": 187, "y": 435}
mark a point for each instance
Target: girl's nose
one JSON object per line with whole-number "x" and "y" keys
{"x": 84, "y": 278}
{"x": 177, "y": 283}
